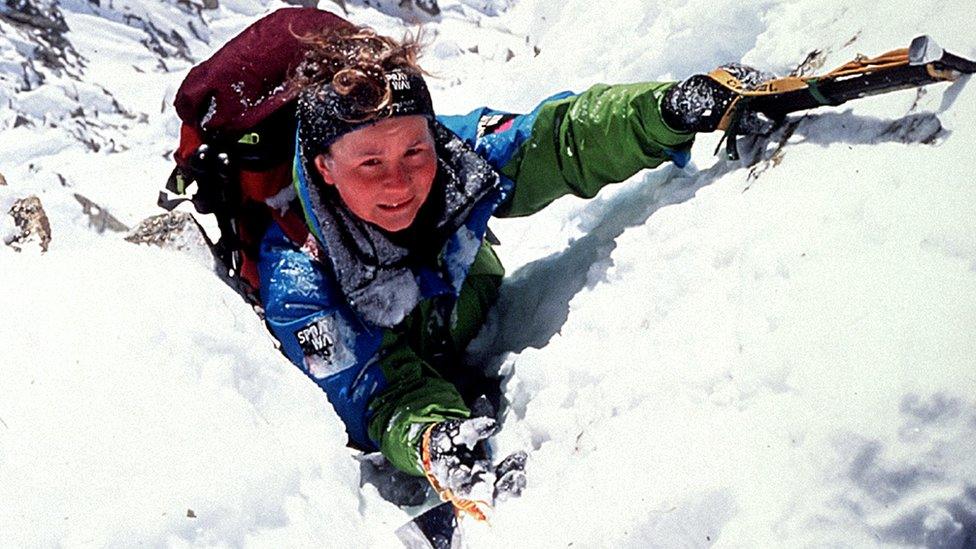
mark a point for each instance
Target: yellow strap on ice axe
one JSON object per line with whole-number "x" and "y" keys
{"x": 777, "y": 85}
{"x": 862, "y": 64}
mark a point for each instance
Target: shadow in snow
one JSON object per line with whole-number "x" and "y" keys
{"x": 392, "y": 484}
{"x": 844, "y": 127}
{"x": 949, "y": 524}
{"x": 952, "y": 92}
{"x": 932, "y": 506}
{"x": 887, "y": 484}
{"x": 534, "y": 301}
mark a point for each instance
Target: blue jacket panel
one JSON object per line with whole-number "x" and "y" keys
{"x": 318, "y": 332}
{"x": 496, "y": 135}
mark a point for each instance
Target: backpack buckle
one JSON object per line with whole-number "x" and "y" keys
{"x": 252, "y": 138}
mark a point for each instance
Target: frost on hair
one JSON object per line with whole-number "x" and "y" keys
{"x": 355, "y": 60}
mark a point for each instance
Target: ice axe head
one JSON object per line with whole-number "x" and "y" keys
{"x": 924, "y": 50}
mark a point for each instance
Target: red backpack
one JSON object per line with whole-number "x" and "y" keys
{"x": 238, "y": 134}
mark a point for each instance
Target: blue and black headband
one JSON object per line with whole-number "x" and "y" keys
{"x": 325, "y": 115}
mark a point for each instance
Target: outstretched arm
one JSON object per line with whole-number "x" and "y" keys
{"x": 575, "y": 144}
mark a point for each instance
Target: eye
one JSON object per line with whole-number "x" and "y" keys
{"x": 414, "y": 151}
{"x": 370, "y": 162}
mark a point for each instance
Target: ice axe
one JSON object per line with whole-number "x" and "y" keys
{"x": 923, "y": 62}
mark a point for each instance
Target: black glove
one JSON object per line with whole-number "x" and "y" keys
{"x": 699, "y": 103}
{"x": 455, "y": 459}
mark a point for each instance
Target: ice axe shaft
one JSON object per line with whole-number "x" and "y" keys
{"x": 923, "y": 62}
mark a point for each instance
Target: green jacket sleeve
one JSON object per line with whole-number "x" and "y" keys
{"x": 416, "y": 393}
{"x": 580, "y": 144}
{"x": 416, "y": 396}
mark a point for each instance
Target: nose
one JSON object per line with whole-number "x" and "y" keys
{"x": 399, "y": 178}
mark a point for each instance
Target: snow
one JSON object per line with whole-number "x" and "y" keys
{"x": 776, "y": 354}
{"x": 8, "y": 229}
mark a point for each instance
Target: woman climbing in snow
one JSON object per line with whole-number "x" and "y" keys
{"x": 390, "y": 274}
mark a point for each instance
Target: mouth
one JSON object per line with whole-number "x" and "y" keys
{"x": 396, "y": 206}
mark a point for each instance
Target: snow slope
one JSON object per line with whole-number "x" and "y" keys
{"x": 776, "y": 352}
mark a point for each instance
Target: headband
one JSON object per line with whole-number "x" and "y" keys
{"x": 324, "y": 115}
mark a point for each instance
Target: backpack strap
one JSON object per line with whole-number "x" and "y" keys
{"x": 218, "y": 193}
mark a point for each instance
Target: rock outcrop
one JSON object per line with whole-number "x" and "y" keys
{"x": 32, "y": 223}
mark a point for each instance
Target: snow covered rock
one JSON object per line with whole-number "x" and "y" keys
{"x": 489, "y": 7}
{"x": 166, "y": 28}
{"x": 408, "y": 10}
{"x": 32, "y": 223}
{"x": 428, "y": 6}
{"x": 32, "y": 50}
{"x": 177, "y": 231}
{"x": 41, "y": 23}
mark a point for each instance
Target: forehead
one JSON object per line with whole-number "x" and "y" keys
{"x": 383, "y": 135}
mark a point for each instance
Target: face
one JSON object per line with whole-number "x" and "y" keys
{"x": 383, "y": 172}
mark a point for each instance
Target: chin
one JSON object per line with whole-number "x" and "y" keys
{"x": 397, "y": 224}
